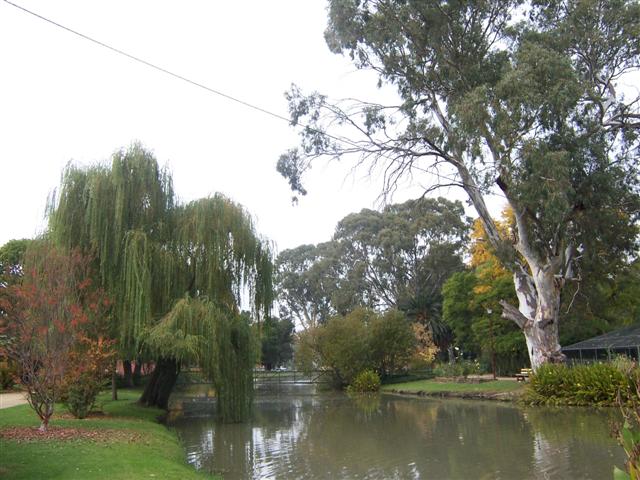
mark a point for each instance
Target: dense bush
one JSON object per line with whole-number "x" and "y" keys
{"x": 366, "y": 381}
{"x": 361, "y": 340}
{"x": 392, "y": 342}
{"x": 593, "y": 384}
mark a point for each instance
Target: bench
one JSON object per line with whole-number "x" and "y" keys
{"x": 524, "y": 374}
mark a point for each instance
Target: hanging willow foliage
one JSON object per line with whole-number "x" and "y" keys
{"x": 218, "y": 340}
{"x": 150, "y": 251}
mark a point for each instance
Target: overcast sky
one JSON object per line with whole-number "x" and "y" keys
{"x": 65, "y": 99}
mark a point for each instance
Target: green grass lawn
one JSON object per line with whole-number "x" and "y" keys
{"x": 496, "y": 386}
{"x": 146, "y": 449}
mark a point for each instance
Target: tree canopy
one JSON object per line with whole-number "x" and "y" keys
{"x": 397, "y": 258}
{"x": 523, "y": 99}
{"x": 277, "y": 342}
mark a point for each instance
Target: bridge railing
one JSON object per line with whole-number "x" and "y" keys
{"x": 193, "y": 376}
{"x": 283, "y": 377}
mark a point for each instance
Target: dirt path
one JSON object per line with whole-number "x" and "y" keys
{"x": 11, "y": 399}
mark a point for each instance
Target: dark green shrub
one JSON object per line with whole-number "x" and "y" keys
{"x": 361, "y": 340}
{"x": 80, "y": 396}
{"x": 366, "y": 381}
{"x": 598, "y": 384}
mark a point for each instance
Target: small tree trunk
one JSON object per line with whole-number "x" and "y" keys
{"x": 128, "y": 377}
{"x": 44, "y": 425}
{"x": 45, "y": 416}
{"x": 161, "y": 383}
{"x": 137, "y": 372}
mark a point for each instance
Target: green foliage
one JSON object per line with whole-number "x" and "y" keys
{"x": 366, "y": 381}
{"x": 401, "y": 256}
{"x": 391, "y": 342}
{"x": 592, "y": 384}
{"x": 457, "y": 298}
{"x": 233, "y": 362}
{"x": 343, "y": 345}
{"x": 12, "y": 255}
{"x": 600, "y": 303}
{"x": 467, "y": 297}
{"x": 307, "y": 283}
{"x": 80, "y": 397}
{"x": 361, "y": 340}
{"x": 395, "y": 258}
{"x": 196, "y": 331}
{"x": 277, "y": 342}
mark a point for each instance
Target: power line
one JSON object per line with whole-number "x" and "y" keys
{"x": 147, "y": 63}
{"x": 198, "y": 84}
{"x": 177, "y": 75}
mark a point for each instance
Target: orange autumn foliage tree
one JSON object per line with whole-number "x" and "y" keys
{"x": 47, "y": 313}
{"x": 88, "y": 371}
{"x": 426, "y": 349}
{"x": 488, "y": 268}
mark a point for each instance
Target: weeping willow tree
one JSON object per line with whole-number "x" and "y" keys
{"x": 153, "y": 254}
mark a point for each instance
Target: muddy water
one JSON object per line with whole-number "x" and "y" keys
{"x": 331, "y": 436}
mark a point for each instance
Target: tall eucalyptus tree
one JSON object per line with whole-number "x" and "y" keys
{"x": 519, "y": 98}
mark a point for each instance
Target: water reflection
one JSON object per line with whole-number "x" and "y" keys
{"x": 332, "y": 436}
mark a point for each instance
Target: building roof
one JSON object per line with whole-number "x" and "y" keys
{"x": 628, "y": 337}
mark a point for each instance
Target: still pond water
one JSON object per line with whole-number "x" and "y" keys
{"x": 331, "y": 436}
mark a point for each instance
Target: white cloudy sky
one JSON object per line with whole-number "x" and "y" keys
{"x": 63, "y": 98}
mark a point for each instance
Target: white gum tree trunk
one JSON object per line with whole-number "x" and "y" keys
{"x": 538, "y": 278}
{"x": 537, "y": 315}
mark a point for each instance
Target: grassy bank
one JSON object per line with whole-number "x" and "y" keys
{"x": 128, "y": 443}
{"x": 498, "y": 389}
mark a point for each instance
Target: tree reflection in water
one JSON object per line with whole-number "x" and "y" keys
{"x": 333, "y": 436}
